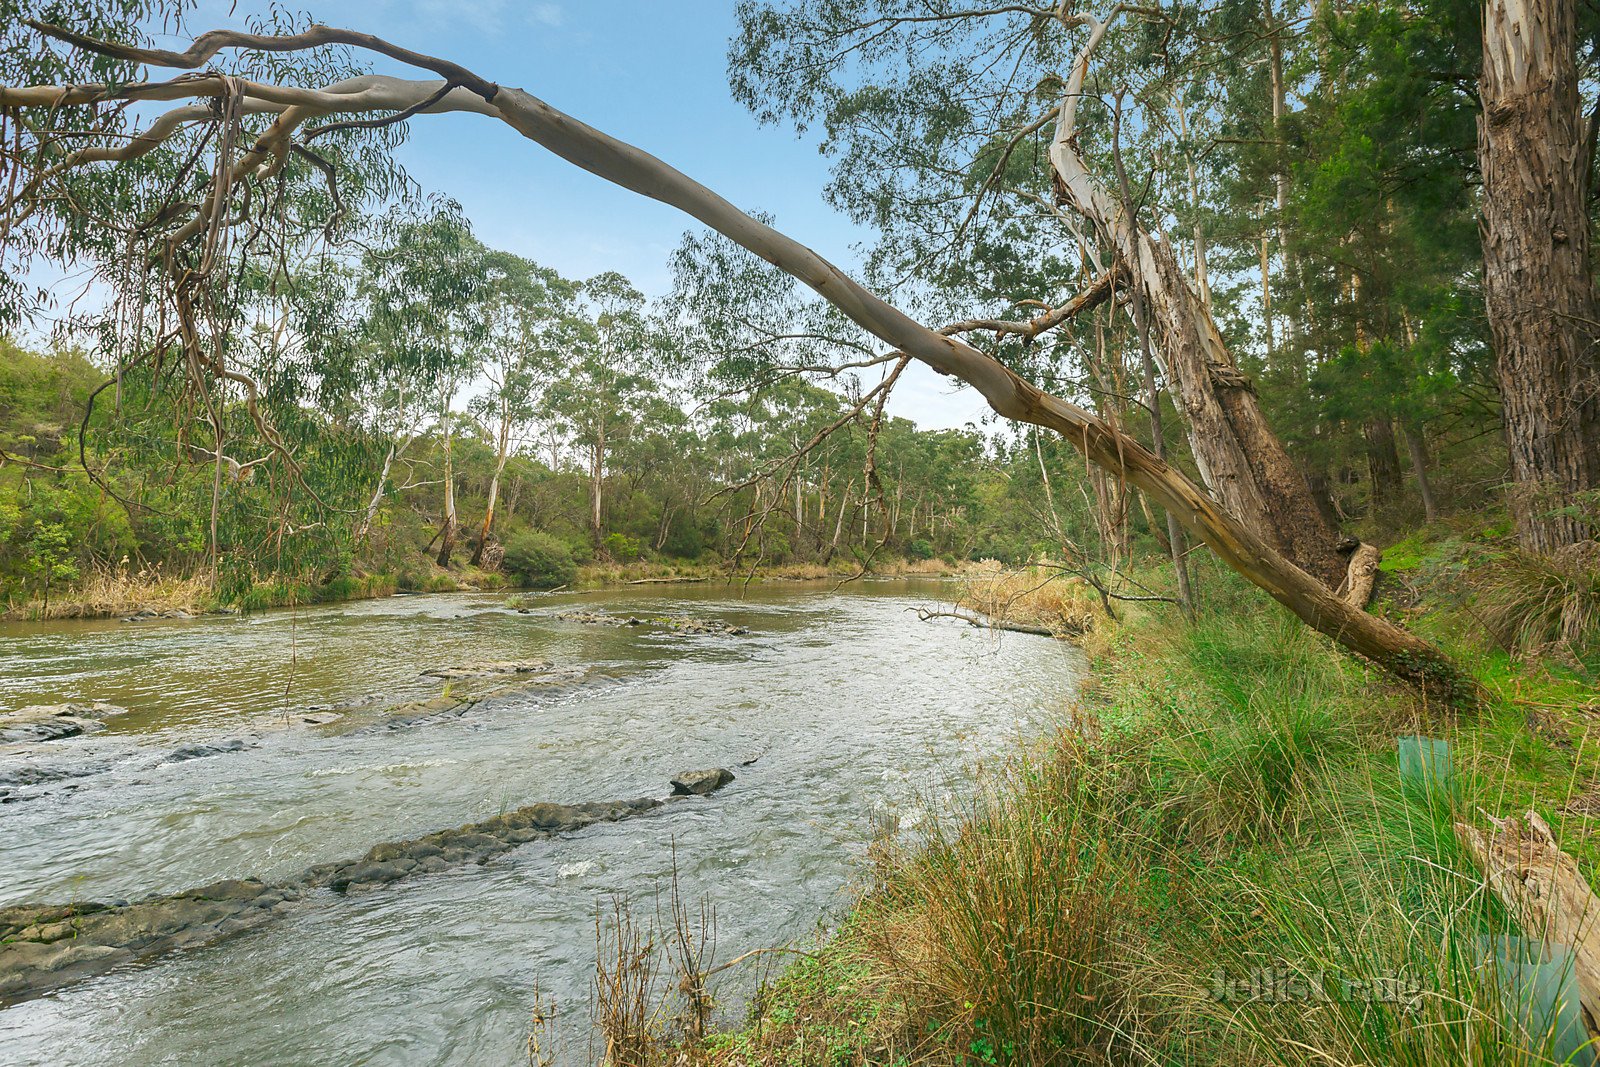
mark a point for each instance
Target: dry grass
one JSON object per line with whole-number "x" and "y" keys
{"x": 1007, "y": 924}
{"x": 652, "y": 992}
{"x": 109, "y": 593}
{"x": 1032, "y": 597}
{"x": 625, "y": 990}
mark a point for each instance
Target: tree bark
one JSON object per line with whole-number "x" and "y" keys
{"x": 376, "y": 500}
{"x": 597, "y": 461}
{"x": 1174, "y": 539}
{"x": 1537, "y": 286}
{"x": 1383, "y": 461}
{"x": 502, "y": 452}
{"x": 1241, "y": 460}
{"x": 447, "y": 539}
{"x": 1417, "y": 447}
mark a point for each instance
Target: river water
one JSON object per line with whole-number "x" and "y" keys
{"x": 854, "y": 712}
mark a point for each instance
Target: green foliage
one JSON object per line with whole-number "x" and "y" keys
{"x": 621, "y": 548}
{"x": 539, "y": 561}
{"x": 1216, "y": 862}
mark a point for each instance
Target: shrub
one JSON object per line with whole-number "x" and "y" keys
{"x": 621, "y": 547}
{"x": 539, "y": 561}
{"x": 919, "y": 549}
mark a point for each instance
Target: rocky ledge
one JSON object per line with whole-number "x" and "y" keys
{"x": 678, "y": 624}
{"x": 44, "y": 947}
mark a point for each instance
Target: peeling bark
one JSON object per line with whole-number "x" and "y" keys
{"x": 1241, "y": 459}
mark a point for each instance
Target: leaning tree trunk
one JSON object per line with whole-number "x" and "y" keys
{"x": 1241, "y": 459}
{"x": 375, "y": 501}
{"x": 1536, "y": 280}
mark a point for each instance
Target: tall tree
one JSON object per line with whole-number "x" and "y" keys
{"x": 597, "y": 394}
{"x": 523, "y": 307}
{"x": 1536, "y": 156}
{"x": 426, "y": 290}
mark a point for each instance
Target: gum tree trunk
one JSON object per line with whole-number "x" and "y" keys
{"x": 502, "y": 452}
{"x": 447, "y": 540}
{"x": 1241, "y": 460}
{"x": 1537, "y": 286}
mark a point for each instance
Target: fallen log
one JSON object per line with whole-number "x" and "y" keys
{"x": 1545, "y": 893}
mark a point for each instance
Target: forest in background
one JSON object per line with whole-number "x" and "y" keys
{"x": 408, "y": 400}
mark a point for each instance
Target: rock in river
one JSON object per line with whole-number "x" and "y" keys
{"x": 45, "y": 946}
{"x": 490, "y": 668}
{"x": 700, "y": 783}
{"x": 51, "y": 722}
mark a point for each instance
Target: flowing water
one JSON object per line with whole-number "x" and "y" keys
{"x": 854, "y": 712}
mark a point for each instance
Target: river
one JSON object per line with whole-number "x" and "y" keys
{"x": 854, "y": 713}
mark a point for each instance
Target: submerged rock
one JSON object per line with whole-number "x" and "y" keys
{"x": 490, "y": 668}
{"x": 211, "y": 748}
{"x": 701, "y": 783}
{"x": 473, "y": 843}
{"x": 681, "y": 624}
{"x": 43, "y": 947}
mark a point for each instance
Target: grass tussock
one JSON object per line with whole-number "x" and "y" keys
{"x": 1223, "y": 864}
{"x": 1537, "y": 604}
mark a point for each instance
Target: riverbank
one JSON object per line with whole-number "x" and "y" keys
{"x": 1222, "y": 862}
{"x": 150, "y": 593}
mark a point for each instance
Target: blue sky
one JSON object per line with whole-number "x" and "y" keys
{"x": 653, "y": 74}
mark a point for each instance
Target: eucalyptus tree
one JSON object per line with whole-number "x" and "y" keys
{"x": 523, "y": 308}
{"x": 425, "y": 288}
{"x": 981, "y": 139}
{"x": 196, "y": 305}
{"x": 597, "y": 395}
{"x": 1251, "y": 548}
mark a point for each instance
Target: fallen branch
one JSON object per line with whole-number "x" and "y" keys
{"x": 1361, "y": 575}
{"x": 928, "y": 614}
{"x": 1545, "y": 893}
